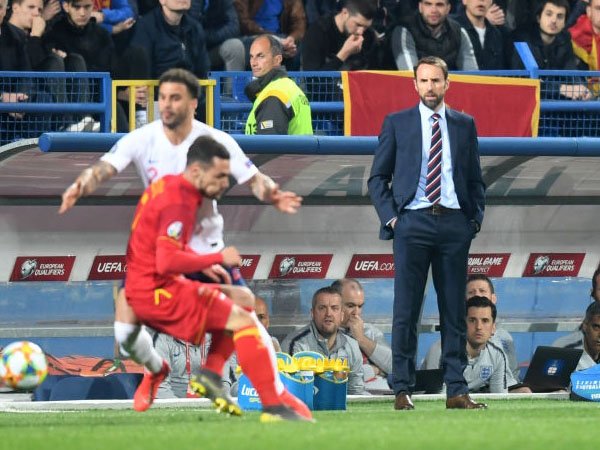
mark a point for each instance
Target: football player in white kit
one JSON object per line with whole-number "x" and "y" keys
{"x": 158, "y": 149}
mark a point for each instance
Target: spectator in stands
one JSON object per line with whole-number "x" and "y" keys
{"x": 222, "y": 28}
{"x": 430, "y": 32}
{"x": 30, "y": 52}
{"x": 172, "y": 39}
{"x": 377, "y": 354}
{"x": 323, "y": 335}
{"x": 13, "y": 57}
{"x": 51, "y": 10}
{"x": 280, "y": 106}
{"x": 578, "y": 9}
{"x": 315, "y": 9}
{"x": 573, "y": 340}
{"x": 590, "y": 342}
{"x": 586, "y": 36}
{"x": 495, "y": 14}
{"x": 183, "y": 358}
{"x": 552, "y": 49}
{"x": 480, "y": 285}
{"x": 343, "y": 41}
{"x": 27, "y": 18}
{"x": 285, "y": 19}
{"x": 491, "y": 45}
{"x": 115, "y": 16}
{"x": 520, "y": 14}
{"x": 77, "y": 35}
{"x": 230, "y": 376}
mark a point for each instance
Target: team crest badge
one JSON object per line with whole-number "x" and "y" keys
{"x": 485, "y": 373}
{"x": 174, "y": 230}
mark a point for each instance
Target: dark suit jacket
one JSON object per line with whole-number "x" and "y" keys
{"x": 397, "y": 162}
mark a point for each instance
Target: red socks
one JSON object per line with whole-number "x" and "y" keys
{"x": 220, "y": 349}
{"x": 255, "y": 361}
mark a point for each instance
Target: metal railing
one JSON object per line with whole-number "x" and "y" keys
{"x": 209, "y": 85}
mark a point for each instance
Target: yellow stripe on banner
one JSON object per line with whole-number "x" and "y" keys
{"x": 208, "y": 85}
{"x": 581, "y": 53}
{"x": 535, "y": 117}
{"x": 250, "y": 331}
{"x": 347, "y": 104}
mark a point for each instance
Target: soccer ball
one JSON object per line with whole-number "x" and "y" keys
{"x": 23, "y": 365}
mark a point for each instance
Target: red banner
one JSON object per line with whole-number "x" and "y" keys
{"x": 300, "y": 266}
{"x": 490, "y": 264}
{"x": 553, "y": 264}
{"x": 42, "y": 268}
{"x": 249, "y": 265}
{"x": 501, "y": 106}
{"x": 108, "y": 267}
{"x": 371, "y": 266}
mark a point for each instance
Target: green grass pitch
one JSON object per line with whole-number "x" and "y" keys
{"x": 507, "y": 424}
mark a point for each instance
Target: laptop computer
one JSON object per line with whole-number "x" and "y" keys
{"x": 429, "y": 381}
{"x": 551, "y": 367}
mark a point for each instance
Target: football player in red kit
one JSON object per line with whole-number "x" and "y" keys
{"x": 157, "y": 255}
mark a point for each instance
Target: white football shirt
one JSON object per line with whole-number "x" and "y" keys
{"x": 154, "y": 157}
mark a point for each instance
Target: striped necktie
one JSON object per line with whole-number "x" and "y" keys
{"x": 433, "y": 187}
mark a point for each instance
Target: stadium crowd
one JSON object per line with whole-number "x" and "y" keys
{"x": 141, "y": 39}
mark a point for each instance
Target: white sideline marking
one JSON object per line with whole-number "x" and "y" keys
{"x": 25, "y": 406}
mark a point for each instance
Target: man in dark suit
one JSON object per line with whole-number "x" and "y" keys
{"x": 428, "y": 191}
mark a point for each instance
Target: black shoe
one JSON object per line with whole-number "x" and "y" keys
{"x": 208, "y": 384}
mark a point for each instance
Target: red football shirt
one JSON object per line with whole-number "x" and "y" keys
{"x": 163, "y": 224}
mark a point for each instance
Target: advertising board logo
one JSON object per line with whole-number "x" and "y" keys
{"x": 249, "y": 265}
{"x": 42, "y": 268}
{"x": 490, "y": 264}
{"x": 371, "y": 266}
{"x": 108, "y": 267}
{"x": 286, "y": 265}
{"x": 553, "y": 264}
{"x": 28, "y": 268}
{"x": 300, "y": 266}
{"x": 540, "y": 263}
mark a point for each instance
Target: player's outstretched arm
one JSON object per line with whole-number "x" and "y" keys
{"x": 86, "y": 183}
{"x": 266, "y": 190}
